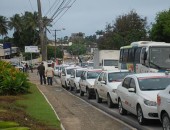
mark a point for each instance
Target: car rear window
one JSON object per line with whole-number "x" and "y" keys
{"x": 92, "y": 74}
{"x": 154, "y": 83}
{"x": 117, "y": 76}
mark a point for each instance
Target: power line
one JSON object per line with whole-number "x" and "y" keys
{"x": 64, "y": 12}
{"x": 62, "y": 8}
{"x": 55, "y": 4}
{"x": 31, "y": 5}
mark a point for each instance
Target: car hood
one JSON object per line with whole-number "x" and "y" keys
{"x": 150, "y": 95}
{"x": 114, "y": 85}
{"x": 91, "y": 81}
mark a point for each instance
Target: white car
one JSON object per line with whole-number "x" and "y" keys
{"x": 75, "y": 77}
{"x": 87, "y": 80}
{"x": 137, "y": 94}
{"x": 106, "y": 84}
{"x": 163, "y": 106}
{"x": 65, "y": 75}
{"x": 57, "y": 70}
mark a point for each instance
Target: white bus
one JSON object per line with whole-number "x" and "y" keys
{"x": 145, "y": 56}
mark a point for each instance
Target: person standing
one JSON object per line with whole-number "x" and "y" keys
{"x": 50, "y": 74}
{"x": 41, "y": 71}
{"x": 26, "y": 67}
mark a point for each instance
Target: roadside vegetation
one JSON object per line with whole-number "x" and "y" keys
{"x": 22, "y": 105}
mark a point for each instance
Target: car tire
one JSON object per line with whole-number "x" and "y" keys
{"x": 66, "y": 86}
{"x": 75, "y": 89}
{"x": 165, "y": 121}
{"x": 98, "y": 99}
{"x": 88, "y": 94}
{"x": 81, "y": 92}
{"x": 140, "y": 117}
{"x": 122, "y": 111}
{"x": 109, "y": 101}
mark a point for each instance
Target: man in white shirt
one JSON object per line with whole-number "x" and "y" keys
{"x": 49, "y": 74}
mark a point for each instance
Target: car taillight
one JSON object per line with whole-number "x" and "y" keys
{"x": 158, "y": 100}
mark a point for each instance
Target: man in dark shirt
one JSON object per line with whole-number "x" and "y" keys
{"x": 41, "y": 71}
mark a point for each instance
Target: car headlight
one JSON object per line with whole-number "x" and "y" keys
{"x": 149, "y": 103}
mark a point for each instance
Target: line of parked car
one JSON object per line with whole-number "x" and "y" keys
{"x": 146, "y": 95}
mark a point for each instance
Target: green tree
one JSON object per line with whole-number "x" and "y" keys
{"x": 25, "y": 29}
{"x": 3, "y": 25}
{"x": 160, "y": 30}
{"x": 126, "y": 29}
{"x": 77, "y": 49}
{"x": 51, "y": 54}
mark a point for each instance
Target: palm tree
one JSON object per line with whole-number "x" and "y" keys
{"x": 3, "y": 25}
{"x": 16, "y": 23}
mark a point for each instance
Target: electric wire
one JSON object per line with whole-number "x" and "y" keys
{"x": 61, "y": 9}
{"x": 31, "y": 5}
{"x": 54, "y": 5}
{"x": 64, "y": 13}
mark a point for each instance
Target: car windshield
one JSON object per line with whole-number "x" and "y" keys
{"x": 69, "y": 71}
{"x": 78, "y": 73}
{"x": 92, "y": 74}
{"x": 84, "y": 64}
{"x": 117, "y": 76}
{"x": 56, "y": 68}
{"x": 154, "y": 83}
{"x": 110, "y": 62}
{"x": 91, "y": 64}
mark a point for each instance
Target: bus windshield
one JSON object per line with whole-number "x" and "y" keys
{"x": 160, "y": 57}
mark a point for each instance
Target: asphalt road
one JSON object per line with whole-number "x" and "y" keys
{"x": 114, "y": 113}
{"x": 75, "y": 113}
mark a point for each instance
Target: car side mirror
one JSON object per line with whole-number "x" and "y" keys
{"x": 132, "y": 90}
{"x": 103, "y": 82}
{"x": 63, "y": 74}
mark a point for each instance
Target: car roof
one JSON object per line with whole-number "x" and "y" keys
{"x": 81, "y": 69}
{"x": 140, "y": 75}
{"x": 112, "y": 71}
{"x": 94, "y": 70}
{"x": 72, "y": 67}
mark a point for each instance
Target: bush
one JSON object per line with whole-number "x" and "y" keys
{"x": 12, "y": 81}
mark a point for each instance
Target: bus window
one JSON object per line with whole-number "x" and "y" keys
{"x": 125, "y": 55}
{"x": 131, "y": 55}
{"x": 137, "y": 55}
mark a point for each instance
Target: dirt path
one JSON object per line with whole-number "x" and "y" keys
{"x": 74, "y": 113}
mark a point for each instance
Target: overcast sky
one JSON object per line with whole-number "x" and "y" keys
{"x": 86, "y": 16}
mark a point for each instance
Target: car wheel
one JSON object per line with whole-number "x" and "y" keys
{"x": 140, "y": 117}
{"x": 75, "y": 88}
{"x": 66, "y": 86}
{"x": 88, "y": 94}
{"x": 165, "y": 122}
{"x": 109, "y": 101}
{"x": 98, "y": 99}
{"x": 122, "y": 111}
{"x": 81, "y": 92}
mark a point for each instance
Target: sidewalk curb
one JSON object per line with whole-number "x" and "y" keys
{"x": 61, "y": 125}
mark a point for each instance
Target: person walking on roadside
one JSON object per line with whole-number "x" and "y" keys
{"x": 50, "y": 74}
{"x": 26, "y": 67}
{"x": 41, "y": 71}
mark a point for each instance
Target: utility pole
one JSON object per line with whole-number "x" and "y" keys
{"x": 41, "y": 31}
{"x": 55, "y": 45}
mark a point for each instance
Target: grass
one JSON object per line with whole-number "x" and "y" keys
{"x": 37, "y": 107}
{"x": 30, "y": 110}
